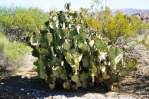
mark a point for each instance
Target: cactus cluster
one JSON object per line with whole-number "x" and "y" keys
{"x": 72, "y": 56}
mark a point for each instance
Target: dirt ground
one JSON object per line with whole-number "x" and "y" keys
{"x": 24, "y": 83}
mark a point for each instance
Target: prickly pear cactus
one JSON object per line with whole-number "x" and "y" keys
{"x": 72, "y": 56}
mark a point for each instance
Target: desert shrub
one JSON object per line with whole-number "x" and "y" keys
{"x": 18, "y": 23}
{"x": 114, "y": 26}
{"x": 11, "y": 53}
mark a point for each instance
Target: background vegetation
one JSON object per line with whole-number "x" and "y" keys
{"x": 16, "y": 25}
{"x": 18, "y": 17}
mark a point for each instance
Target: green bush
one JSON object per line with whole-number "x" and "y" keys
{"x": 73, "y": 56}
{"x": 18, "y": 17}
{"x": 19, "y": 23}
{"x": 14, "y": 51}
